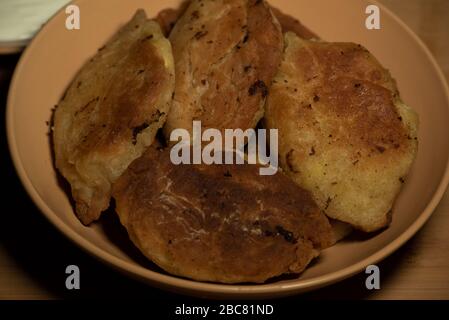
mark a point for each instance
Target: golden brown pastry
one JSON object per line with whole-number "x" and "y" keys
{"x": 167, "y": 19}
{"x": 221, "y": 223}
{"x": 111, "y": 112}
{"x": 226, "y": 54}
{"x": 344, "y": 133}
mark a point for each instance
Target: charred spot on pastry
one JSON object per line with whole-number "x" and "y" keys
{"x": 200, "y": 34}
{"x": 380, "y": 149}
{"x": 195, "y": 15}
{"x": 148, "y": 38}
{"x": 156, "y": 116}
{"x": 288, "y": 235}
{"x": 137, "y": 130}
{"x": 258, "y": 86}
{"x": 279, "y": 231}
{"x": 86, "y": 105}
{"x": 228, "y": 174}
{"x": 312, "y": 151}
{"x": 328, "y": 202}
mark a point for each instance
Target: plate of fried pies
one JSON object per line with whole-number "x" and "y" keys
{"x": 117, "y": 130}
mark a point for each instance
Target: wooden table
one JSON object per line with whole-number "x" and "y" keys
{"x": 33, "y": 255}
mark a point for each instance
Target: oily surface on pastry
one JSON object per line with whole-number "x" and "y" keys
{"x": 111, "y": 112}
{"x": 221, "y": 223}
{"x": 344, "y": 133}
{"x": 226, "y": 54}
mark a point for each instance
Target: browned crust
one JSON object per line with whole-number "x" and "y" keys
{"x": 344, "y": 133}
{"x": 358, "y": 92}
{"x": 120, "y": 116}
{"x": 222, "y": 223}
{"x": 224, "y": 64}
{"x": 167, "y": 19}
{"x": 111, "y": 112}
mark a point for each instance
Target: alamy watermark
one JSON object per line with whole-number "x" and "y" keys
{"x": 372, "y": 22}
{"x": 72, "y": 281}
{"x": 230, "y": 149}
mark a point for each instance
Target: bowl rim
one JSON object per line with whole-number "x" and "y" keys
{"x": 235, "y": 290}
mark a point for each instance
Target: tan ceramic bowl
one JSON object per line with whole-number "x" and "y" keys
{"x": 53, "y": 58}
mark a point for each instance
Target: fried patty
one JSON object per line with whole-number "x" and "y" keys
{"x": 226, "y": 54}
{"x": 111, "y": 112}
{"x": 344, "y": 133}
{"x": 167, "y": 19}
{"x": 220, "y": 223}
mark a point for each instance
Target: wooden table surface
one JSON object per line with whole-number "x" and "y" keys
{"x": 33, "y": 255}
